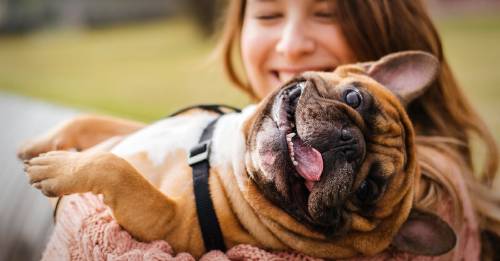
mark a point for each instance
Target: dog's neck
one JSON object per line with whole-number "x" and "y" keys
{"x": 229, "y": 141}
{"x": 229, "y": 145}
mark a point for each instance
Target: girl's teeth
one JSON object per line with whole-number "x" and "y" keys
{"x": 285, "y": 76}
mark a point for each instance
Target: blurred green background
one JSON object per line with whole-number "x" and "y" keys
{"x": 147, "y": 68}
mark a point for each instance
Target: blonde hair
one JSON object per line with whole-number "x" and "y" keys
{"x": 443, "y": 117}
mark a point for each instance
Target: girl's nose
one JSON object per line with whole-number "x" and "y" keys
{"x": 294, "y": 42}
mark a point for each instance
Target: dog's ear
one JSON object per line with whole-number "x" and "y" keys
{"x": 407, "y": 74}
{"x": 425, "y": 234}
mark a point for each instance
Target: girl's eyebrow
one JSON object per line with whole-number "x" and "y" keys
{"x": 276, "y": 0}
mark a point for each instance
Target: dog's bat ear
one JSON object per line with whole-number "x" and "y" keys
{"x": 407, "y": 74}
{"x": 425, "y": 234}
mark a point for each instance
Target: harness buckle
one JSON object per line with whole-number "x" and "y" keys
{"x": 199, "y": 152}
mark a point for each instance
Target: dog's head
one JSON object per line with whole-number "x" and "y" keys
{"x": 336, "y": 152}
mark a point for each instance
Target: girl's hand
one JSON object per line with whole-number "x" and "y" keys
{"x": 58, "y": 138}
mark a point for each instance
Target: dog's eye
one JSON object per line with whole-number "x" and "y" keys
{"x": 368, "y": 191}
{"x": 353, "y": 98}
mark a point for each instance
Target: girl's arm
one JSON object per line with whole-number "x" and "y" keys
{"x": 79, "y": 133}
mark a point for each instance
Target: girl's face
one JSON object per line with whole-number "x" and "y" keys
{"x": 282, "y": 38}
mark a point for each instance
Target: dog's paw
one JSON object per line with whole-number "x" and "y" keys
{"x": 53, "y": 173}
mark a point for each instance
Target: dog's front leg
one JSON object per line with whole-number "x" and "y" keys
{"x": 136, "y": 204}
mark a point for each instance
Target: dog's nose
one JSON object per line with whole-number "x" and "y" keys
{"x": 347, "y": 138}
{"x": 346, "y": 135}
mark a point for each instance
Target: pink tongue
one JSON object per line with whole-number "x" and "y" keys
{"x": 309, "y": 161}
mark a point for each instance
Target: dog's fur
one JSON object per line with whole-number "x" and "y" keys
{"x": 360, "y": 205}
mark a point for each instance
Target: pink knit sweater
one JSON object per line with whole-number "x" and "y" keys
{"x": 85, "y": 230}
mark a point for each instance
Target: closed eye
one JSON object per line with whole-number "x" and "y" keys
{"x": 269, "y": 16}
{"x": 325, "y": 15}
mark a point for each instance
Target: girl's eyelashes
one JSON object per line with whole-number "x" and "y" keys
{"x": 269, "y": 16}
{"x": 323, "y": 14}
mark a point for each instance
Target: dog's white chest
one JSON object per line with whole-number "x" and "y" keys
{"x": 164, "y": 136}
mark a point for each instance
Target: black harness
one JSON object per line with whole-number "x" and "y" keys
{"x": 199, "y": 162}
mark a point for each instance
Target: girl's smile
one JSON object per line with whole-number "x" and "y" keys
{"x": 283, "y": 38}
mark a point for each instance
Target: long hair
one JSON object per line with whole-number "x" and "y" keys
{"x": 443, "y": 117}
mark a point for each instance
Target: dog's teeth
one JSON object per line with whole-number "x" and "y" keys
{"x": 295, "y": 163}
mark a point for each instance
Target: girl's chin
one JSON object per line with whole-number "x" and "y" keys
{"x": 268, "y": 85}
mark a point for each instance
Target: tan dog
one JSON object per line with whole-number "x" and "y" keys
{"x": 324, "y": 166}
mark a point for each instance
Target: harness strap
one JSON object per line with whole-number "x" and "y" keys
{"x": 217, "y": 108}
{"x": 199, "y": 161}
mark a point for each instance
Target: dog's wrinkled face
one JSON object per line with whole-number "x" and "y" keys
{"x": 336, "y": 152}
{"x": 311, "y": 142}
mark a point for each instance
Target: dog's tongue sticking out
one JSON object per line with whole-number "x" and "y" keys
{"x": 306, "y": 159}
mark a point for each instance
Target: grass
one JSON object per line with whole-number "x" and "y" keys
{"x": 141, "y": 71}
{"x": 145, "y": 71}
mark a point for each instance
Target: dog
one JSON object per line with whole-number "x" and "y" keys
{"x": 325, "y": 165}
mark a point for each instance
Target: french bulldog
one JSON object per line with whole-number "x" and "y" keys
{"x": 325, "y": 165}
